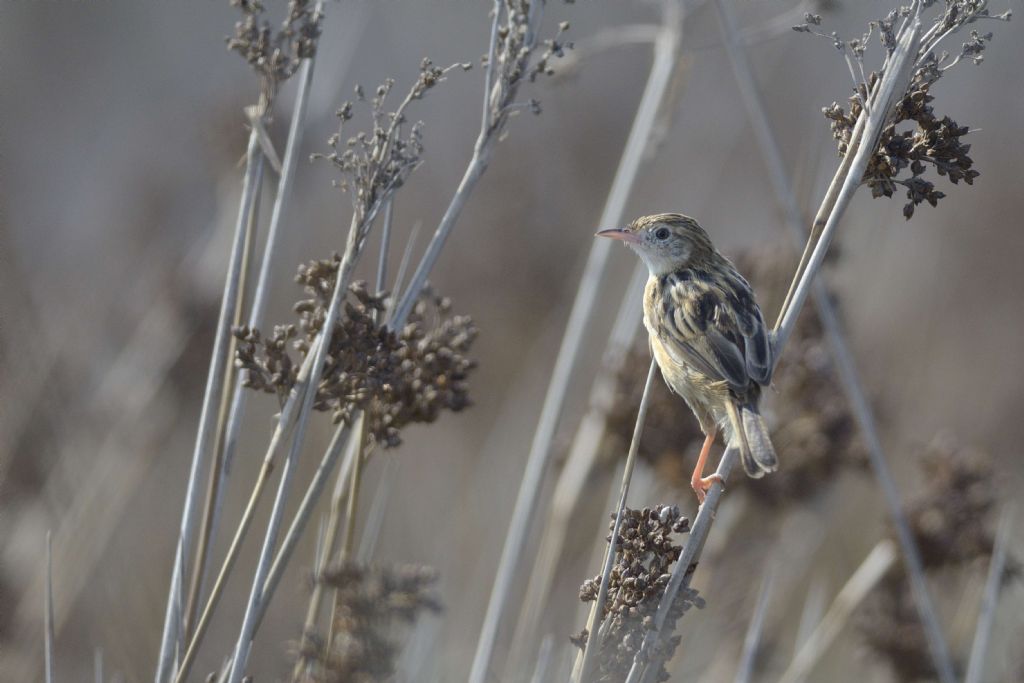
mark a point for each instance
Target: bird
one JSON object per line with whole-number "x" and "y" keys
{"x": 707, "y": 335}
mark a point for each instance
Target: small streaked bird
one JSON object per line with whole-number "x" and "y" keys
{"x": 707, "y": 335}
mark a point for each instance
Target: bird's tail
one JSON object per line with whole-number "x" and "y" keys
{"x": 751, "y": 433}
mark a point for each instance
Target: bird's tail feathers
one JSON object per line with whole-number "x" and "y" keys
{"x": 756, "y": 451}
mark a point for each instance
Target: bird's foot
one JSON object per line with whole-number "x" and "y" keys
{"x": 701, "y": 485}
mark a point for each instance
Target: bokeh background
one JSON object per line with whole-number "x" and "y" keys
{"x": 119, "y": 175}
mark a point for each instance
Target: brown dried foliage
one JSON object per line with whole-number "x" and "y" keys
{"x": 372, "y": 603}
{"x": 950, "y": 521}
{"x": 645, "y": 554}
{"x": 396, "y": 377}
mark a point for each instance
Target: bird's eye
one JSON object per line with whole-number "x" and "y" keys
{"x": 661, "y": 233}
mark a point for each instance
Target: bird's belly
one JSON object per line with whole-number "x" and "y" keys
{"x": 705, "y": 397}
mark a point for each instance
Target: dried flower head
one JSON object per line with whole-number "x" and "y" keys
{"x": 275, "y": 55}
{"x": 811, "y": 420}
{"x": 396, "y": 377}
{"x": 915, "y": 138}
{"x": 950, "y": 521}
{"x": 372, "y": 604}
{"x": 375, "y": 163}
{"x": 508, "y": 62}
{"x": 645, "y": 554}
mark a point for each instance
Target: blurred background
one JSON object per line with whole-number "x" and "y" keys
{"x": 122, "y": 133}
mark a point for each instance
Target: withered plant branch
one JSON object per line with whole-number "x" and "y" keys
{"x": 325, "y": 551}
{"x": 665, "y": 59}
{"x": 583, "y": 455}
{"x": 214, "y": 475}
{"x": 511, "y": 47}
{"x": 587, "y": 659}
{"x": 990, "y": 600}
{"x": 848, "y": 180}
{"x": 872, "y": 570}
{"x": 843, "y": 357}
{"x": 48, "y": 612}
{"x": 302, "y": 515}
{"x": 755, "y": 631}
{"x": 172, "y": 628}
{"x": 225, "y": 457}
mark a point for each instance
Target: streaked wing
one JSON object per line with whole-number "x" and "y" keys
{"x": 716, "y": 327}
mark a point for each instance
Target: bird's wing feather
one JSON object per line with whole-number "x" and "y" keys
{"x": 717, "y": 328}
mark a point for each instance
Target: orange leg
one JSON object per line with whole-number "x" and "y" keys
{"x": 698, "y": 481}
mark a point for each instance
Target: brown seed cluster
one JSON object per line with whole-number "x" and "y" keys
{"x": 950, "y": 521}
{"x": 645, "y": 554}
{"x": 275, "y": 55}
{"x": 372, "y": 603}
{"x": 396, "y": 377}
{"x": 812, "y": 427}
{"x": 906, "y": 151}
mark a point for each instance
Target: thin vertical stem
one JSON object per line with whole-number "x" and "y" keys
{"x": 589, "y": 655}
{"x": 845, "y": 363}
{"x": 214, "y": 477}
{"x": 989, "y": 600}
{"x": 302, "y": 516}
{"x": 752, "y": 641}
{"x": 48, "y": 611}
{"x": 866, "y": 577}
{"x": 665, "y": 59}
{"x": 170, "y": 641}
{"x": 893, "y": 79}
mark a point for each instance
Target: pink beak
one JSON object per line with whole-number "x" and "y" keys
{"x": 620, "y": 234}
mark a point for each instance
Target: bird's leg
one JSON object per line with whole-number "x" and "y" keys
{"x": 698, "y": 481}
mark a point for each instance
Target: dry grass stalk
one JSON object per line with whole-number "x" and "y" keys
{"x": 990, "y": 600}
{"x": 48, "y": 636}
{"x": 207, "y": 420}
{"x": 847, "y": 180}
{"x": 861, "y": 582}
{"x": 588, "y": 658}
{"x": 666, "y": 58}
{"x": 274, "y": 56}
{"x": 755, "y": 631}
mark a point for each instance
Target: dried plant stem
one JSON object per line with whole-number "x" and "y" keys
{"x": 225, "y": 457}
{"x": 665, "y": 58}
{"x": 893, "y": 80}
{"x": 349, "y": 538}
{"x": 575, "y": 474}
{"x": 989, "y": 600}
{"x": 170, "y": 641}
{"x": 302, "y": 515}
{"x": 846, "y": 365}
{"x": 866, "y": 577}
{"x": 498, "y": 93}
{"x": 214, "y": 476}
{"x": 48, "y": 611}
{"x": 284, "y": 425}
{"x": 353, "y": 452}
{"x": 319, "y": 355}
{"x": 752, "y": 641}
{"x": 586, "y": 660}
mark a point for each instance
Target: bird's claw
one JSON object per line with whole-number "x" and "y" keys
{"x": 700, "y": 486}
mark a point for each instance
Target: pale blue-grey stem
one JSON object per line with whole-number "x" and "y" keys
{"x": 170, "y": 641}
{"x": 253, "y": 609}
{"x": 989, "y": 600}
{"x": 846, "y": 365}
{"x": 665, "y": 58}
{"x": 895, "y": 76}
{"x": 593, "y": 646}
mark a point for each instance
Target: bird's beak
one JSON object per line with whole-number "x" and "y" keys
{"x": 627, "y": 236}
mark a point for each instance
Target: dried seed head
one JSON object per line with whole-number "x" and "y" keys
{"x": 645, "y": 554}
{"x": 397, "y": 378}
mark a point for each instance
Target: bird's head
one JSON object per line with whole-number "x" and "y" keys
{"x": 665, "y": 241}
